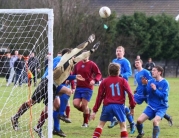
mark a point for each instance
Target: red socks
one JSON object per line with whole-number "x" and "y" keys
{"x": 41, "y": 121}
{"x": 86, "y": 118}
{"x": 97, "y": 132}
{"x": 67, "y": 111}
{"x": 124, "y": 134}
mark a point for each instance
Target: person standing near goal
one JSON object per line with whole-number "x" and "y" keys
{"x": 84, "y": 89}
{"x": 34, "y": 67}
{"x": 7, "y": 66}
{"x": 111, "y": 92}
{"x": 12, "y": 72}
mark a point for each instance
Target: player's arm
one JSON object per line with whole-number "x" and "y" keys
{"x": 161, "y": 93}
{"x": 148, "y": 75}
{"x": 128, "y": 70}
{"x": 97, "y": 72}
{"x": 127, "y": 88}
{"x": 99, "y": 99}
{"x": 78, "y": 77}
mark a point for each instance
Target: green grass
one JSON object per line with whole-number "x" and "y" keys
{"x": 74, "y": 129}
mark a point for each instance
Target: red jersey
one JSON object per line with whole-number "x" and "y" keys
{"x": 88, "y": 70}
{"x": 112, "y": 91}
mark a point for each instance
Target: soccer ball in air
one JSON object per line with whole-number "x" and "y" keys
{"x": 104, "y": 12}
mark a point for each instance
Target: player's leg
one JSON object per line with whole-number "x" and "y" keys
{"x": 98, "y": 130}
{"x": 36, "y": 97}
{"x": 80, "y": 101}
{"x": 147, "y": 114}
{"x": 67, "y": 111}
{"x": 23, "y": 108}
{"x": 57, "y": 130}
{"x": 86, "y": 112}
{"x": 76, "y": 50}
{"x": 87, "y": 53}
{"x": 86, "y": 97}
{"x": 169, "y": 119}
{"x": 77, "y": 98}
{"x": 41, "y": 121}
{"x": 156, "y": 128}
{"x": 114, "y": 122}
{"x": 130, "y": 120}
{"x": 156, "y": 121}
{"x": 139, "y": 125}
{"x": 65, "y": 94}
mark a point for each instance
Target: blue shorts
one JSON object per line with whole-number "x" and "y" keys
{"x": 113, "y": 110}
{"x": 60, "y": 87}
{"x": 151, "y": 113}
{"x": 83, "y": 93}
{"x": 139, "y": 99}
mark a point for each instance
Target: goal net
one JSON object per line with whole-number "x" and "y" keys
{"x": 25, "y": 31}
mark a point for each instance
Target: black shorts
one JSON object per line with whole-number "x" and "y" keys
{"x": 41, "y": 92}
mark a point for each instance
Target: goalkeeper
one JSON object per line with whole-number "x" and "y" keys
{"x": 63, "y": 66}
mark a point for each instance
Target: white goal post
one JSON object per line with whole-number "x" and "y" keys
{"x": 26, "y": 31}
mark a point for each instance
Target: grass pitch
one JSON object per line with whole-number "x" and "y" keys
{"x": 74, "y": 130}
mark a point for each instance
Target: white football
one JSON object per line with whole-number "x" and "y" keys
{"x": 104, "y": 12}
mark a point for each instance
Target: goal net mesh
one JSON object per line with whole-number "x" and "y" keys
{"x": 25, "y": 33}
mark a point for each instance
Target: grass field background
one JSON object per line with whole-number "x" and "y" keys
{"x": 74, "y": 129}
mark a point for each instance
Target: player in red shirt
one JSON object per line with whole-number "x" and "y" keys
{"x": 112, "y": 92}
{"x": 84, "y": 89}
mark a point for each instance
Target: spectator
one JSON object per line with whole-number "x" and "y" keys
{"x": 46, "y": 62}
{"x": 135, "y": 71}
{"x": 149, "y": 65}
{"x": 19, "y": 65}
{"x": 12, "y": 72}
{"x": 34, "y": 66}
{"x": 7, "y": 66}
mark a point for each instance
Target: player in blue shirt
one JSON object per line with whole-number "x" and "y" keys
{"x": 142, "y": 73}
{"x": 126, "y": 72}
{"x": 157, "y": 90}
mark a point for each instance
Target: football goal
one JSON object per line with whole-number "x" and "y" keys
{"x": 23, "y": 32}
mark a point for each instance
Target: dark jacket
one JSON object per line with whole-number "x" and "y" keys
{"x": 149, "y": 66}
{"x": 19, "y": 65}
{"x": 33, "y": 63}
{"x": 7, "y": 64}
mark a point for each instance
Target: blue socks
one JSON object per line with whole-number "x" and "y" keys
{"x": 63, "y": 103}
{"x": 129, "y": 116}
{"x": 56, "y": 121}
{"x": 139, "y": 128}
{"x": 156, "y": 131}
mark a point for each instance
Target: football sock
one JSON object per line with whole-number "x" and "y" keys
{"x": 24, "y": 107}
{"x": 166, "y": 116}
{"x": 128, "y": 115}
{"x": 67, "y": 111}
{"x": 43, "y": 116}
{"x": 124, "y": 134}
{"x": 63, "y": 103}
{"x": 156, "y": 131}
{"x": 86, "y": 117}
{"x": 56, "y": 121}
{"x": 97, "y": 132}
{"x": 139, "y": 128}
